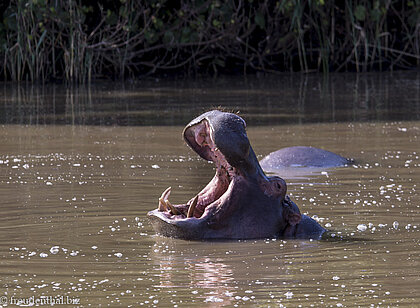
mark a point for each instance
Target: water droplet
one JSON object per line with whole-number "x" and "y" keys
{"x": 54, "y": 250}
{"x": 74, "y": 253}
{"x": 362, "y": 227}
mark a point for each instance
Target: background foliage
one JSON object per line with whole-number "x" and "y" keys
{"x": 77, "y": 40}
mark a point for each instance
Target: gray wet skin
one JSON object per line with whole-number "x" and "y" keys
{"x": 302, "y": 156}
{"x": 240, "y": 202}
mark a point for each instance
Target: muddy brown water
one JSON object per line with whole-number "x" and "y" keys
{"x": 74, "y": 198}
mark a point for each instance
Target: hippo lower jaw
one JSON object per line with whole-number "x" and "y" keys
{"x": 213, "y": 212}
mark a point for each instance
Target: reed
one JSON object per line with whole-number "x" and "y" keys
{"x": 72, "y": 40}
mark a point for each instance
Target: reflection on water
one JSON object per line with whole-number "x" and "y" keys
{"x": 74, "y": 200}
{"x": 267, "y": 100}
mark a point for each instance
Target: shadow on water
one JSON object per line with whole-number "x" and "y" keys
{"x": 262, "y": 101}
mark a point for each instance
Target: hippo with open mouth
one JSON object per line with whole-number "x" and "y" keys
{"x": 240, "y": 202}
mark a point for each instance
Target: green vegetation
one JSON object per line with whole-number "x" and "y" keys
{"x": 78, "y": 40}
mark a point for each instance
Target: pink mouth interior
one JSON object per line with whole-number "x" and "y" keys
{"x": 217, "y": 190}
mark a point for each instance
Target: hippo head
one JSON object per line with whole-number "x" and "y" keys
{"x": 240, "y": 201}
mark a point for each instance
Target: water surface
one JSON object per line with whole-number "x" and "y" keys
{"x": 74, "y": 200}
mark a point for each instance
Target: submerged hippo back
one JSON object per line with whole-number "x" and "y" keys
{"x": 301, "y": 156}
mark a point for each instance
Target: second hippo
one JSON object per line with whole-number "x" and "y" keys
{"x": 303, "y": 156}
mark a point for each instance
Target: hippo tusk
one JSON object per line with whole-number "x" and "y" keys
{"x": 192, "y": 207}
{"x": 166, "y": 193}
{"x": 173, "y": 209}
{"x": 162, "y": 200}
{"x": 162, "y": 205}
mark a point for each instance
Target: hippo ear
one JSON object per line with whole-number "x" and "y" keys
{"x": 291, "y": 212}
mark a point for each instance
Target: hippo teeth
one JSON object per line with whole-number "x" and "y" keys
{"x": 208, "y": 196}
{"x": 164, "y": 203}
{"x": 192, "y": 207}
{"x": 163, "y": 206}
{"x": 173, "y": 209}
